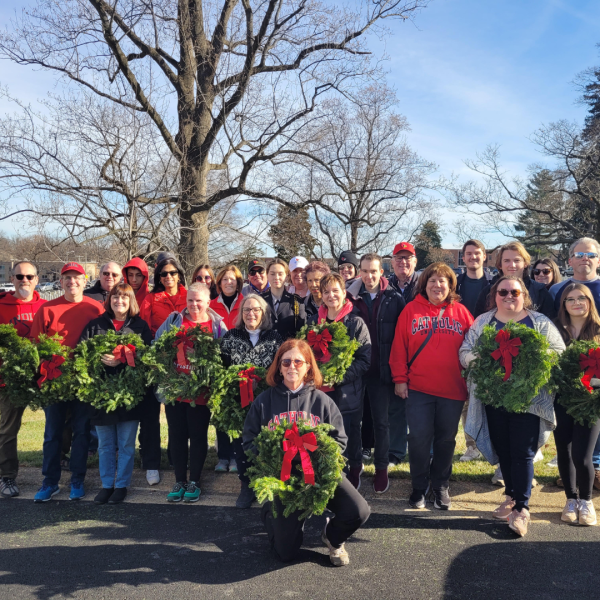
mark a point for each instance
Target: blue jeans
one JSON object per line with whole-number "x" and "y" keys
{"x": 398, "y": 426}
{"x": 596, "y": 456}
{"x": 53, "y": 434}
{"x": 111, "y": 438}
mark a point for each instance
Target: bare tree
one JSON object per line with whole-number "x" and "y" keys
{"x": 225, "y": 84}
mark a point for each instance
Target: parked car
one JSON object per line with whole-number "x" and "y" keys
{"x": 47, "y": 286}
{"x": 7, "y": 287}
{"x": 56, "y": 285}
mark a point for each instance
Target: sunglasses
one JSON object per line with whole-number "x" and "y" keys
{"x": 107, "y": 274}
{"x": 585, "y": 255}
{"x": 165, "y": 274}
{"x": 29, "y": 277}
{"x": 542, "y": 271}
{"x": 256, "y": 272}
{"x": 286, "y": 362}
{"x": 201, "y": 278}
{"x": 513, "y": 293}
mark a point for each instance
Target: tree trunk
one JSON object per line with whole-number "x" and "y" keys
{"x": 354, "y": 236}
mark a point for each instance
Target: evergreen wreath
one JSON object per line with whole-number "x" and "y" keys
{"x": 333, "y": 349}
{"x": 528, "y": 370}
{"x": 18, "y": 368}
{"x": 228, "y": 404}
{"x": 205, "y": 364}
{"x": 57, "y": 379}
{"x": 105, "y": 391}
{"x": 295, "y": 494}
{"x": 580, "y": 400}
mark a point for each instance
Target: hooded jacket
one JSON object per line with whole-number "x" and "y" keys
{"x": 138, "y": 263}
{"x": 381, "y": 321}
{"x": 228, "y": 316}
{"x": 437, "y": 369}
{"x": 158, "y": 306}
{"x": 96, "y": 292}
{"x": 19, "y": 313}
{"x": 278, "y": 404}
{"x": 101, "y": 326}
{"x": 349, "y": 393}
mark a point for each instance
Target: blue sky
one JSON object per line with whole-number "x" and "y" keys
{"x": 468, "y": 73}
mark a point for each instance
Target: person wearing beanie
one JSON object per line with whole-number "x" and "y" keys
{"x": 348, "y": 266}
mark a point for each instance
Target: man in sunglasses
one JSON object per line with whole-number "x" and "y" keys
{"x": 110, "y": 275}
{"x": 257, "y": 278}
{"x": 17, "y": 308}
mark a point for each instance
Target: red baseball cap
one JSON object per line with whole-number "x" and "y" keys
{"x": 404, "y": 246}
{"x": 72, "y": 266}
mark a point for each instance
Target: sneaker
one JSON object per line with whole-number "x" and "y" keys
{"x": 338, "y": 556}
{"x": 77, "y": 491}
{"x": 570, "y": 512}
{"x": 417, "y": 499}
{"x": 534, "y": 482}
{"x": 394, "y": 461}
{"x": 497, "y": 478}
{"x": 367, "y": 454}
{"x": 233, "y": 466}
{"x": 587, "y": 513}
{"x": 103, "y": 495}
{"x": 177, "y": 493}
{"x": 118, "y": 496}
{"x": 597, "y": 480}
{"x": 381, "y": 482}
{"x": 246, "y": 497}
{"x": 442, "y": 499}
{"x": 192, "y": 492}
{"x": 152, "y": 476}
{"x": 553, "y": 464}
{"x": 471, "y": 454}
{"x": 8, "y": 488}
{"x": 354, "y": 476}
{"x": 538, "y": 456}
{"x": 518, "y": 521}
{"x": 45, "y": 493}
{"x": 503, "y": 511}
{"x": 222, "y": 466}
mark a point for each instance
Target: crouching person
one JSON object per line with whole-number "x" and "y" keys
{"x": 294, "y": 378}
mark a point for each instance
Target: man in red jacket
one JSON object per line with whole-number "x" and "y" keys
{"x": 17, "y": 308}
{"x": 66, "y": 316}
{"x": 135, "y": 273}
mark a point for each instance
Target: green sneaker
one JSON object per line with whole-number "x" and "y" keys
{"x": 177, "y": 493}
{"x": 192, "y": 493}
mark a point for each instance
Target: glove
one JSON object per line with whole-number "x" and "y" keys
{"x": 469, "y": 358}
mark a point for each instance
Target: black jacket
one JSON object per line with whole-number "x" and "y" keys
{"x": 382, "y": 325}
{"x": 290, "y": 315}
{"x": 279, "y": 403}
{"x": 349, "y": 393}
{"x": 100, "y": 326}
{"x": 409, "y": 291}
{"x": 310, "y": 307}
{"x": 237, "y": 349}
{"x": 96, "y": 293}
{"x": 541, "y": 299}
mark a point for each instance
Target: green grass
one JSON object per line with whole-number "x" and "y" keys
{"x": 31, "y": 437}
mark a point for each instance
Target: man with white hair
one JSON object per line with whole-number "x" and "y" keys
{"x": 110, "y": 275}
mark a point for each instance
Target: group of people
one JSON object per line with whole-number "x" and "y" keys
{"x": 403, "y": 394}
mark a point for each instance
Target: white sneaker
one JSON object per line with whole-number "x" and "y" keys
{"x": 570, "y": 511}
{"x": 538, "y": 456}
{"x": 152, "y": 477}
{"x": 553, "y": 464}
{"x": 497, "y": 478}
{"x": 470, "y": 454}
{"x": 587, "y": 513}
{"x": 503, "y": 511}
{"x": 338, "y": 556}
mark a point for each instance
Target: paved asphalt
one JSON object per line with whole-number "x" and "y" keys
{"x": 155, "y": 550}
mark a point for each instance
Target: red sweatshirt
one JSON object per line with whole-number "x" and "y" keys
{"x": 157, "y": 307}
{"x": 436, "y": 370}
{"x": 68, "y": 319}
{"x": 138, "y": 263}
{"x": 229, "y": 316}
{"x": 19, "y": 313}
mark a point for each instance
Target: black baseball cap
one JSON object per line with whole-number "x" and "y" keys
{"x": 256, "y": 263}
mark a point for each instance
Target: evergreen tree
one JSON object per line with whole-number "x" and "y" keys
{"x": 427, "y": 239}
{"x": 290, "y": 234}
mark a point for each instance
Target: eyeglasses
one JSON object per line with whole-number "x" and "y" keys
{"x": 579, "y": 300}
{"x": 585, "y": 255}
{"x": 20, "y": 277}
{"x": 107, "y": 274}
{"x": 165, "y": 274}
{"x": 403, "y": 258}
{"x": 286, "y": 362}
{"x": 513, "y": 293}
{"x": 203, "y": 278}
{"x": 542, "y": 271}
{"x": 256, "y": 311}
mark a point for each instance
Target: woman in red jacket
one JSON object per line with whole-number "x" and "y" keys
{"x": 427, "y": 372}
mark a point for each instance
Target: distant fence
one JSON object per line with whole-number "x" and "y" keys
{"x": 52, "y": 294}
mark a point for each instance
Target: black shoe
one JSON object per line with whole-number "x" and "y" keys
{"x": 103, "y": 495}
{"x": 442, "y": 499}
{"x": 417, "y": 499}
{"x": 246, "y": 497}
{"x": 367, "y": 455}
{"x": 118, "y": 496}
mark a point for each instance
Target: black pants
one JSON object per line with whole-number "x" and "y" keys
{"x": 575, "y": 449}
{"x": 10, "y": 424}
{"x": 149, "y": 437}
{"x": 188, "y": 423}
{"x": 286, "y": 534}
{"x": 225, "y": 449}
{"x": 431, "y": 420}
{"x": 241, "y": 460}
{"x": 380, "y": 396}
{"x": 366, "y": 431}
{"x": 515, "y": 438}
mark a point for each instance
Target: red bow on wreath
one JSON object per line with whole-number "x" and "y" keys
{"x": 248, "y": 377}
{"x": 508, "y": 348}
{"x": 590, "y": 364}
{"x": 183, "y": 342}
{"x": 49, "y": 369}
{"x": 292, "y": 444}
{"x": 319, "y": 343}
{"x": 126, "y": 354}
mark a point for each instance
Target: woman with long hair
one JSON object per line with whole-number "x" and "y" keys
{"x": 204, "y": 274}
{"x": 545, "y": 270}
